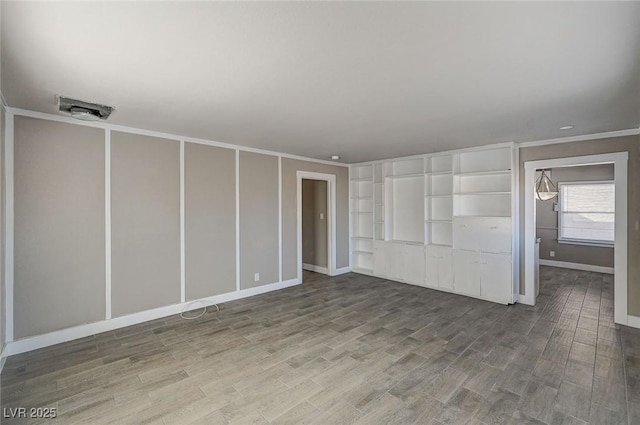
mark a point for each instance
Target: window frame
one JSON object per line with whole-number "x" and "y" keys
{"x": 586, "y": 242}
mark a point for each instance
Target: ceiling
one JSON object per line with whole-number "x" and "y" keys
{"x": 362, "y": 80}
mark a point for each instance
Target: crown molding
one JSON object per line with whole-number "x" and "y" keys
{"x": 581, "y": 138}
{"x": 170, "y": 136}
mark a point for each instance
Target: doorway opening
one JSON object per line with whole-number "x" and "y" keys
{"x": 316, "y": 225}
{"x": 577, "y": 224}
{"x": 315, "y": 233}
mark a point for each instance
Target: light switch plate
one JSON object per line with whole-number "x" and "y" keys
{"x": 256, "y": 277}
{"x": 321, "y": 216}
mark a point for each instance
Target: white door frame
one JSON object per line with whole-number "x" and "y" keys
{"x": 619, "y": 159}
{"x": 331, "y": 218}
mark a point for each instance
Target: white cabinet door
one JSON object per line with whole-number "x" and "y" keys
{"x": 496, "y": 234}
{"x": 466, "y": 233}
{"x": 487, "y": 234}
{"x": 432, "y": 251}
{"x": 414, "y": 264}
{"x": 379, "y": 268}
{"x": 466, "y": 272}
{"x": 393, "y": 256}
{"x": 431, "y": 272}
{"x": 445, "y": 268}
{"x": 496, "y": 277}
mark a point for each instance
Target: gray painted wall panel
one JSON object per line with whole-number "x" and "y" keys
{"x": 145, "y": 214}
{"x": 59, "y": 226}
{"x": 289, "y": 212}
{"x": 210, "y": 220}
{"x": 258, "y": 219}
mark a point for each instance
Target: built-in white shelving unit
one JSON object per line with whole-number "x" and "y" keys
{"x": 439, "y": 200}
{"x": 442, "y": 221}
{"x": 362, "y": 218}
{"x": 404, "y": 186}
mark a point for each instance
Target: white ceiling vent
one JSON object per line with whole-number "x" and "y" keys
{"x": 85, "y": 111}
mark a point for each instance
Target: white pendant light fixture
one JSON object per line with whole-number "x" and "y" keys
{"x": 545, "y": 189}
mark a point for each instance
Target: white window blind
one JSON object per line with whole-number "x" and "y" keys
{"x": 587, "y": 212}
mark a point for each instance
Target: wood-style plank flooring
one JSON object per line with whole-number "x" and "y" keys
{"x": 351, "y": 349}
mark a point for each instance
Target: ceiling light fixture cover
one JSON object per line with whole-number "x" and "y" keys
{"x": 335, "y": 157}
{"x": 86, "y": 111}
{"x": 83, "y": 114}
{"x": 545, "y": 189}
{"x": 566, "y": 127}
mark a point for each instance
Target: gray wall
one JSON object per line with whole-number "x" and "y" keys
{"x": 145, "y": 223}
{"x": 210, "y": 220}
{"x": 289, "y": 213}
{"x": 60, "y": 222}
{"x": 314, "y": 229}
{"x": 547, "y": 220}
{"x": 259, "y": 249}
{"x": 2, "y": 228}
{"x": 630, "y": 144}
{"x": 59, "y": 226}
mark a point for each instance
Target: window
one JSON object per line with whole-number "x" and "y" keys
{"x": 586, "y": 213}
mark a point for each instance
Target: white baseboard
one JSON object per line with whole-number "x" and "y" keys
{"x": 576, "y": 266}
{"x": 56, "y": 337}
{"x": 633, "y": 321}
{"x": 368, "y": 273}
{"x": 314, "y": 268}
{"x": 342, "y": 270}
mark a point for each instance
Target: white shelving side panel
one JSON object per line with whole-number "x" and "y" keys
{"x": 362, "y": 260}
{"x": 362, "y": 225}
{"x": 361, "y": 172}
{"x": 439, "y": 208}
{"x": 439, "y": 184}
{"x": 441, "y": 164}
{"x": 408, "y": 209}
{"x": 440, "y": 233}
{"x": 483, "y": 205}
{"x": 480, "y": 161}
{"x": 362, "y": 205}
{"x": 482, "y": 183}
{"x": 362, "y": 245}
{"x": 361, "y": 189}
{"x": 408, "y": 167}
